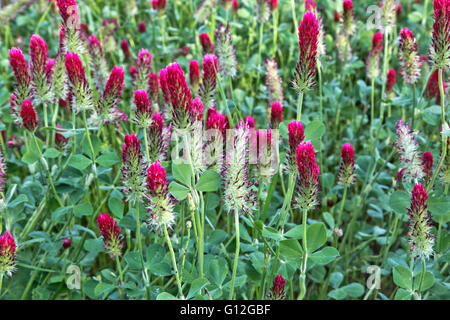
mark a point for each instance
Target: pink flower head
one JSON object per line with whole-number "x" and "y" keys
{"x": 197, "y": 109}
{"x": 440, "y": 43}
{"x": 144, "y": 66}
{"x": 153, "y": 87}
{"x": 125, "y": 48}
{"x": 38, "y": 55}
{"x": 276, "y": 114}
{"x": 156, "y": 179}
{"x": 207, "y": 89}
{"x": 60, "y": 140}
{"x": 68, "y": 9}
{"x": 113, "y": 90}
{"x": 133, "y": 72}
{"x": 179, "y": 93}
{"x": 420, "y": 238}
{"x": 277, "y": 292}
{"x": 7, "y": 254}
{"x": 250, "y": 122}
{"x": 390, "y": 82}
{"x": 164, "y": 85}
{"x": 308, "y": 34}
{"x": 158, "y": 139}
{"x": 308, "y": 176}
{"x": 110, "y": 232}
{"x": 98, "y": 63}
{"x": 235, "y": 6}
{"x": 143, "y": 109}
{"x": 274, "y": 4}
{"x": 19, "y": 66}
{"x": 77, "y": 78}
{"x": 67, "y": 243}
{"x": 142, "y": 27}
{"x": 427, "y": 162}
{"x": 216, "y": 120}
{"x": 409, "y": 57}
{"x": 159, "y": 5}
{"x": 194, "y": 73}
{"x": 296, "y": 135}
{"x": 348, "y": 7}
{"x": 206, "y": 43}
{"x": 131, "y": 148}
{"x": 377, "y": 42}
{"x": 337, "y": 16}
{"x": 28, "y": 115}
{"x": 310, "y": 5}
{"x": 399, "y": 9}
{"x": 347, "y": 168}
{"x": 432, "y": 89}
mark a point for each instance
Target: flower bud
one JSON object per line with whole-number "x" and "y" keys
{"x": 207, "y": 45}
{"x": 347, "y": 168}
{"x": 308, "y": 177}
{"x": 276, "y": 115}
{"x": 66, "y": 243}
{"x": 277, "y": 291}
{"x": 60, "y": 140}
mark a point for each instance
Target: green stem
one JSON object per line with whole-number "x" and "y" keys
{"x": 119, "y": 268}
{"x": 305, "y": 258}
{"x": 236, "y": 256}
{"x": 294, "y": 16}
{"x": 372, "y": 107}
{"x": 422, "y": 276}
{"x": 299, "y": 106}
{"x": 94, "y": 167}
{"x": 146, "y": 146}
{"x": 141, "y": 256}
{"x": 174, "y": 262}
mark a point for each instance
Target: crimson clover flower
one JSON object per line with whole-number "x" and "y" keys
{"x": 409, "y": 57}
{"x": 347, "y": 167}
{"x": 110, "y": 232}
{"x": 7, "y": 254}
{"x": 28, "y": 115}
{"x": 305, "y": 71}
{"x": 308, "y": 177}
{"x": 161, "y": 204}
{"x": 420, "y": 237}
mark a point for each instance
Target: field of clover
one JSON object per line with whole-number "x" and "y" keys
{"x": 224, "y": 149}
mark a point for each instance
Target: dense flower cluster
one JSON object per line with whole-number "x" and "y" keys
{"x": 347, "y": 168}
{"x": 161, "y": 204}
{"x": 238, "y": 194}
{"x": 409, "y": 57}
{"x": 208, "y": 86}
{"x": 305, "y": 71}
{"x": 277, "y": 292}
{"x": 440, "y": 43}
{"x": 373, "y": 60}
{"x": 7, "y": 254}
{"x": 296, "y": 136}
{"x": 308, "y": 177}
{"x": 98, "y": 62}
{"x": 158, "y": 139}
{"x": 420, "y": 237}
{"x": 132, "y": 163}
{"x": 225, "y": 52}
{"x": 410, "y": 157}
{"x": 110, "y": 232}
{"x": 80, "y": 91}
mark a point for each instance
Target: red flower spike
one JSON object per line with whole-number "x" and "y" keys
{"x": 156, "y": 179}
{"x": 153, "y": 87}
{"x": 142, "y": 27}
{"x": 427, "y": 162}
{"x": 194, "y": 73}
{"x": 7, "y": 253}
{"x": 111, "y": 234}
{"x": 276, "y": 115}
{"x": 390, "y": 81}
{"x": 28, "y": 115}
{"x": 125, "y": 48}
{"x": 60, "y": 140}
{"x": 308, "y": 34}
{"x": 308, "y": 173}
{"x": 206, "y": 43}
{"x": 277, "y": 292}
{"x": 250, "y": 122}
